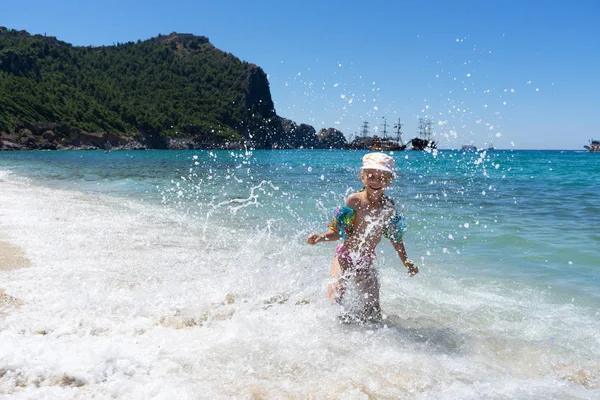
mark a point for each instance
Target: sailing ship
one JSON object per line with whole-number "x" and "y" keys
{"x": 594, "y": 146}
{"x": 386, "y": 143}
{"x": 424, "y": 140}
{"x": 362, "y": 142}
{"x": 468, "y": 147}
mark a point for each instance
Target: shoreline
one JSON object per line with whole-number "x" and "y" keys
{"x": 235, "y": 146}
{"x": 125, "y": 148}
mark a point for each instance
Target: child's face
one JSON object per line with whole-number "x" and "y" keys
{"x": 375, "y": 179}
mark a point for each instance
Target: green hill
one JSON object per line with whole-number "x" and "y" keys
{"x": 175, "y": 91}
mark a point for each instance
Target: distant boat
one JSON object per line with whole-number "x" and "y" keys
{"x": 468, "y": 147}
{"x": 386, "y": 143}
{"x": 424, "y": 140}
{"x": 360, "y": 143}
{"x": 491, "y": 146}
{"x": 363, "y": 142}
{"x": 594, "y": 146}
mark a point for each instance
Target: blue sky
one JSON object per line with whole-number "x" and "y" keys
{"x": 521, "y": 74}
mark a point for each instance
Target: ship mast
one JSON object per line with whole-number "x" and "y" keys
{"x": 384, "y": 128}
{"x": 429, "y": 128}
{"x": 398, "y": 128}
{"x": 425, "y": 128}
{"x": 365, "y": 128}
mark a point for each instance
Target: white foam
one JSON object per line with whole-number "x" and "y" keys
{"x": 130, "y": 300}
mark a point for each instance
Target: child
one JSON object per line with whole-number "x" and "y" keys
{"x": 361, "y": 222}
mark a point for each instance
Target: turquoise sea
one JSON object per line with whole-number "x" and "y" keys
{"x": 156, "y": 273}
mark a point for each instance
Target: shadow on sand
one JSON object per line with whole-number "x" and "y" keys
{"x": 416, "y": 330}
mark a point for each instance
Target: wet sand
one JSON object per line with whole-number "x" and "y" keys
{"x": 8, "y": 300}
{"x": 11, "y": 258}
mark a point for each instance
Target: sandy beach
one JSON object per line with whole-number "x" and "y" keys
{"x": 8, "y": 300}
{"x": 11, "y": 257}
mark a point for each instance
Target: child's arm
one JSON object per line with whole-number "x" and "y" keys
{"x": 399, "y": 247}
{"x": 329, "y": 236}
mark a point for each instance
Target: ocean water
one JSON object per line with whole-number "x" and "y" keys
{"x": 185, "y": 274}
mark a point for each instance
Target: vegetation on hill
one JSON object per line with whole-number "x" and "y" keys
{"x": 156, "y": 91}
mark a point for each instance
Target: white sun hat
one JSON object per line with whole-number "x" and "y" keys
{"x": 380, "y": 161}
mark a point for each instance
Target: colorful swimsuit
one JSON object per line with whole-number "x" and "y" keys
{"x": 354, "y": 261}
{"x": 343, "y": 219}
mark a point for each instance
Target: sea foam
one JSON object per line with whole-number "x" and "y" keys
{"x": 134, "y": 300}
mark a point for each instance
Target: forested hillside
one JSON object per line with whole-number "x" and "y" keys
{"x": 156, "y": 93}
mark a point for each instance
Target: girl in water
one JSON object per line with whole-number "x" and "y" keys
{"x": 361, "y": 222}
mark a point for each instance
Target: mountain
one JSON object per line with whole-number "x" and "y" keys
{"x": 330, "y": 138}
{"x": 174, "y": 91}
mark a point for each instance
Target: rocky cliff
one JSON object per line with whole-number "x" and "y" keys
{"x": 330, "y": 138}
{"x": 175, "y": 91}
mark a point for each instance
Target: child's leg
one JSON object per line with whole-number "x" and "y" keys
{"x": 335, "y": 290}
{"x": 366, "y": 279}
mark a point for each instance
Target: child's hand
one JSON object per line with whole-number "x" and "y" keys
{"x": 412, "y": 269}
{"x": 314, "y": 238}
